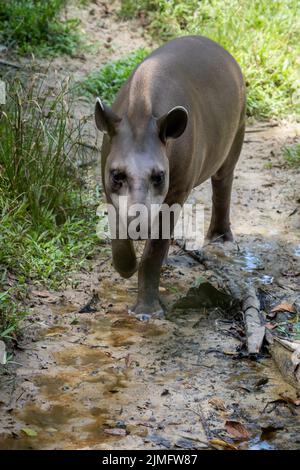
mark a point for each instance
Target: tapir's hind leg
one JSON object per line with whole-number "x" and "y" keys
{"x": 219, "y": 229}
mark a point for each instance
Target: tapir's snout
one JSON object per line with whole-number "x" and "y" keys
{"x": 137, "y": 166}
{"x": 137, "y": 200}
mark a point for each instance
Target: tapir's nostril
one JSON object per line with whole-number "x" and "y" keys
{"x": 158, "y": 178}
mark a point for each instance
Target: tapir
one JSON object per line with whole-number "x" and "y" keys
{"x": 178, "y": 120}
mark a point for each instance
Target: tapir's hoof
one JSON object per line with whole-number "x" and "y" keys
{"x": 126, "y": 274}
{"x": 215, "y": 237}
{"x": 146, "y": 312}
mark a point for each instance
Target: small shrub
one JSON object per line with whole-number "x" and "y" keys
{"x": 38, "y": 149}
{"x": 291, "y": 155}
{"x": 48, "y": 223}
{"x": 35, "y": 26}
{"x": 107, "y": 81}
{"x": 263, "y": 37}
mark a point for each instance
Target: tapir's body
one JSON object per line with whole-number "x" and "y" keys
{"x": 201, "y": 137}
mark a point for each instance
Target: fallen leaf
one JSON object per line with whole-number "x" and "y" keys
{"x": 284, "y": 307}
{"x": 52, "y": 298}
{"x": 29, "y": 432}
{"x": 115, "y": 431}
{"x": 220, "y": 443}
{"x": 271, "y": 326}
{"x": 218, "y": 404}
{"x": 276, "y": 403}
{"x": 261, "y": 382}
{"x": 237, "y": 429}
{"x": 51, "y": 430}
{"x": 292, "y": 401}
{"x": 128, "y": 361}
{"x": 162, "y": 289}
{"x": 41, "y": 293}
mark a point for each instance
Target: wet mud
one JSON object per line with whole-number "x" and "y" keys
{"x": 104, "y": 380}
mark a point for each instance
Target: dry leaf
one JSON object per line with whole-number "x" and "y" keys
{"x": 115, "y": 431}
{"x": 41, "y": 293}
{"x": 218, "y": 404}
{"x": 292, "y": 401}
{"x": 128, "y": 361}
{"x": 223, "y": 444}
{"x": 284, "y": 307}
{"x": 237, "y": 429}
{"x": 44, "y": 294}
{"x": 29, "y": 432}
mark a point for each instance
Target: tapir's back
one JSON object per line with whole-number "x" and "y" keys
{"x": 197, "y": 73}
{"x": 182, "y": 68}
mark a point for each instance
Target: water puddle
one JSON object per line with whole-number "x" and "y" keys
{"x": 297, "y": 251}
{"x": 265, "y": 440}
{"x": 111, "y": 381}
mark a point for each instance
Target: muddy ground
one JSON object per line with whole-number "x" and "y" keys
{"x": 100, "y": 379}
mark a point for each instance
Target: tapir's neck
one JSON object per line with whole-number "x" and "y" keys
{"x": 140, "y": 98}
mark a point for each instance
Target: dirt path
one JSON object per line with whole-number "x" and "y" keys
{"x": 102, "y": 380}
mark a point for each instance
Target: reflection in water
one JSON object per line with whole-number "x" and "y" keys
{"x": 297, "y": 251}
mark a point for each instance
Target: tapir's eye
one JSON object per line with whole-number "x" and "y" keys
{"x": 158, "y": 178}
{"x": 118, "y": 177}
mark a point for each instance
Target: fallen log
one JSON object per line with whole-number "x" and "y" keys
{"x": 239, "y": 290}
{"x": 286, "y": 355}
{"x": 254, "y": 321}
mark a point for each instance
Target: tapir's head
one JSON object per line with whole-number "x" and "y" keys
{"x": 137, "y": 165}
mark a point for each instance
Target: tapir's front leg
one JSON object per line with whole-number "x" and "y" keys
{"x": 148, "y": 304}
{"x": 124, "y": 257}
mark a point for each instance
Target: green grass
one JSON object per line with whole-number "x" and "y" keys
{"x": 262, "y": 35}
{"x": 35, "y": 26}
{"x": 48, "y": 221}
{"x": 291, "y": 155}
{"x": 107, "y": 81}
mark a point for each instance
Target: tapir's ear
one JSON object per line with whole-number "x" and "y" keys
{"x": 106, "y": 119}
{"x": 172, "y": 124}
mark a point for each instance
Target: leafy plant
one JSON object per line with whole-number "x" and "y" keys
{"x": 48, "y": 223}
{"x": 36, "y": 26}
{"x": 107, "y": 81}
{"x": 263, "y": 36}
{"x": 291, "y": 155}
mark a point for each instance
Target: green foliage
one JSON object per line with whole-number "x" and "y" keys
{"x": 107, "y": 81}
{"x": 35, "y": 26}
{"x": 291, "y": 155}
{"x": 47, "y": 222}
{"x": 37, "y": 150}
{"x": 263, "y": 36}
{"x": 11, "y": 312}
